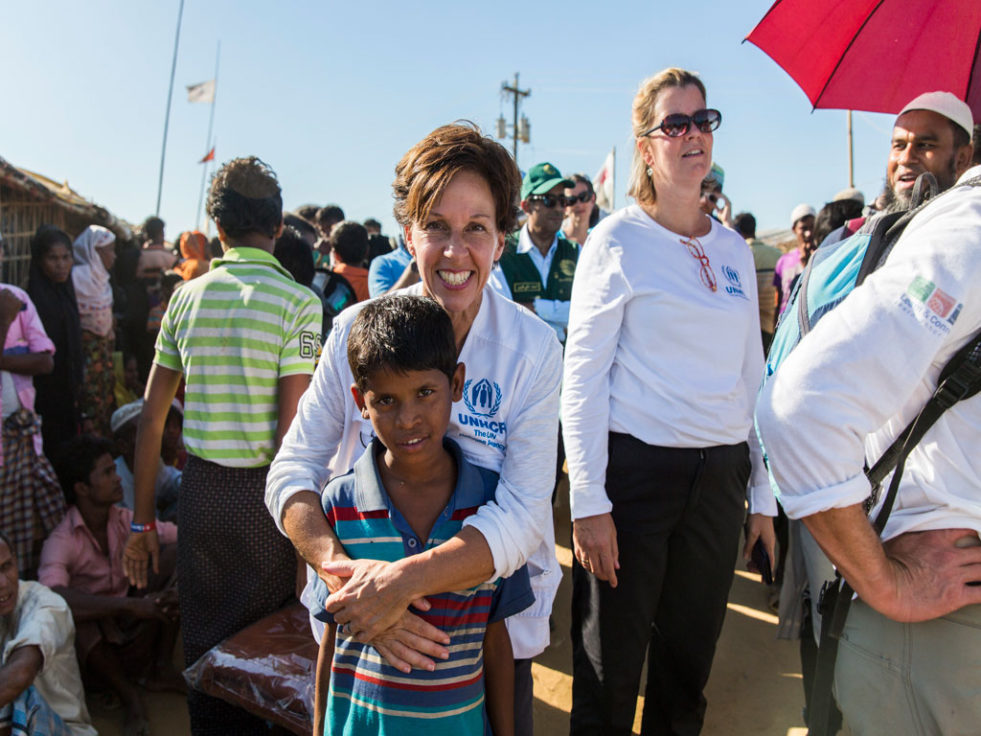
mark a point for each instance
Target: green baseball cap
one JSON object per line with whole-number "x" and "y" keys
{"x": 541, "y": 178}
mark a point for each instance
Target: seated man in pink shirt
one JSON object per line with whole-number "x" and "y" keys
{"x": 117, "y": 631}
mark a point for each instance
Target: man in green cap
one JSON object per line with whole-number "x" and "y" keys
{"x": 713, "y": 202}
{"x": 540, "y": 262}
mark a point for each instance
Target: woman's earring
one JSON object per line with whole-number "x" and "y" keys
{"x": 650, "y": 172}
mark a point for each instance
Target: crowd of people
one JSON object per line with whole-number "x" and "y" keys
{"x": 192, "y": 435}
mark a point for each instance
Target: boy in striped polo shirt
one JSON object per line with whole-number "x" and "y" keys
{"x": 244, "y": 337}
{"x": 410, "y": 491}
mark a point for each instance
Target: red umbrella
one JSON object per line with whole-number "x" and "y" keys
{"x": 876, "y": 55}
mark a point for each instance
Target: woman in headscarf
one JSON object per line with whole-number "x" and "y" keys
{"x": 95, "y": 252}
{"x": 194, "y": 250}
{"x": 49, "y": 285}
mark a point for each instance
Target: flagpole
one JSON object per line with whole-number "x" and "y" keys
{"x": 613, "y": 178}
{"x": 170, "y": 94}
{"x": 207, "y": 143}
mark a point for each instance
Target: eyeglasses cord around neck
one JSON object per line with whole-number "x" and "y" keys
{"x": 705, "y": 272}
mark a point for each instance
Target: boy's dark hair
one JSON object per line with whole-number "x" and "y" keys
{"x": 76, "y": 461}
{"x": 372, "y": 222}
{"x": 833, "y": 215}
{"x": 302, "y": 226}
{"x": 401, "y": 333}
{"x": 169, "y": 283}
{"x": 295, "y": 255}
{"x": 349, "y": 241}
{"x": 745, "y": 224}
{"x": 245, "y": 198}
{"x": 308, "y": 212}
{"x": 153, "y": 228}
{"x": 329, "y": 215}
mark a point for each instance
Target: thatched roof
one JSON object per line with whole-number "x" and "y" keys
{"x": 62, "y": 196}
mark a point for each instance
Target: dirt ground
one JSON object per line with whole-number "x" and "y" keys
{"x": 755, "y": 687}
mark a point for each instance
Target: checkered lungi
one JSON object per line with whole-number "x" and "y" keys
{"x": 234, "y": 568}
{"x": 31, "y": 500}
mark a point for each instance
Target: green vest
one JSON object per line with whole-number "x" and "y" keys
{"x": 526, "y": 283}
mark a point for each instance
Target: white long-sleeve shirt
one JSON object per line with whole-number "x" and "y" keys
{"x": 654, "y": 353}
{"x": 869, "y": 366}
{"x": 506, "y": 422}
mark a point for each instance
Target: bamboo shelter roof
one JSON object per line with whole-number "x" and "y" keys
{"x": 29, "y": 199}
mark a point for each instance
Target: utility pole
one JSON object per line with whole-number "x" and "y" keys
{"x": 520, "y": 129}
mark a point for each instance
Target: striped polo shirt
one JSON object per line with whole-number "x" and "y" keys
{"x": 233, "y": 333}
{"x": 366, "y": 694}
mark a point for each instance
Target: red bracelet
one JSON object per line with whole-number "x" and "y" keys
{"x": 139, "y": 528}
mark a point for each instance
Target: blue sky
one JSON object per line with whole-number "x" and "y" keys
{"x": 332, "y": 94}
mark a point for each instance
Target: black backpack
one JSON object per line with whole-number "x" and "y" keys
{"x": 335, "y": 293}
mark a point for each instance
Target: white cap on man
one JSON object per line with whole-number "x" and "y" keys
{"x": 946, "y": 104}
{"x": 801, "y": 210}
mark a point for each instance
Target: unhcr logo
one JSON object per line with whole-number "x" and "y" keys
{"x": 482, "y": 398}
{"x": 731, "y": 274}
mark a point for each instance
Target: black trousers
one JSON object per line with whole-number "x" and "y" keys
{"x": 678, "y": 515}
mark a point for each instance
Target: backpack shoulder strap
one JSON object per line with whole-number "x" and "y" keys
{"x": 960, "y": 379}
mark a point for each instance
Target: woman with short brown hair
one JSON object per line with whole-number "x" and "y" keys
{"x": 455, "y": 194}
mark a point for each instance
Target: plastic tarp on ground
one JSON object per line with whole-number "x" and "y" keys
{"x": 267, "y": 669}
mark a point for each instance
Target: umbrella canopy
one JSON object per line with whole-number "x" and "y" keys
{"x": 876, "y": 55}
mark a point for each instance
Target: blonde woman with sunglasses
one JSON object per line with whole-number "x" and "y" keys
{"x": 662, "y": 365}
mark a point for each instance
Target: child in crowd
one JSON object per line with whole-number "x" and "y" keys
{"x": 349, "y": 244}
{"x": 128, "y": 386}
{"x": 409, "y": 492}
{"x": 167, "y": 484}
{"x": 120, "y": 635}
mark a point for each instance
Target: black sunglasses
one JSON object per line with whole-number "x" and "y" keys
{"x": 581, "y": 197}
{"x": 678, "y": 124}
{"x": 548, "y": 200}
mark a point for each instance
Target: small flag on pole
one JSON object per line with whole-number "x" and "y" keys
{"x": 603, "y": 183}
{"x": 209, "y": 156}
{"x": 201, "y": 92}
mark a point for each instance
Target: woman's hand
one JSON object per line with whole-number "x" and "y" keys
{"x": 760, "y": 526}
{"x": 410, "y": 643}
{"x": 373, "y": 608}
{"x": 595, "y": 541}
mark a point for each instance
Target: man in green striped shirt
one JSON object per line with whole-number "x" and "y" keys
{"x": 244, "y": 337}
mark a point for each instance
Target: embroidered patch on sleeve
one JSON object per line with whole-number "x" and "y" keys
{"x": 930, "y": 305}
